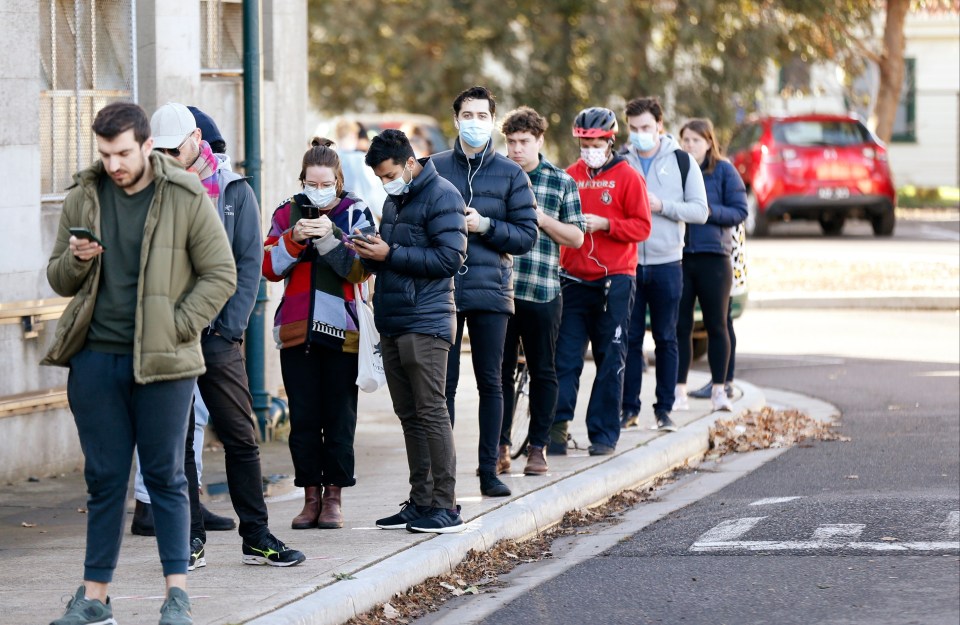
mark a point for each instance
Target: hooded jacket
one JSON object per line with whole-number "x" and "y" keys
{"x": 681, "y": 205}
{"x": 727, "y": 199}
{"x": 427, "y": 234}
{"x": 499, "y": 190}
{"x": 186, "y": 274}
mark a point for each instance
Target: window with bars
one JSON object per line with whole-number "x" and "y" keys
{"x": 221, "y": 36}
{"x": 86, "y": 62}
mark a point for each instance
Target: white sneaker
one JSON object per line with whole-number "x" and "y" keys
{"x": 718, "y": 396}
{"x": 681, "y": 402}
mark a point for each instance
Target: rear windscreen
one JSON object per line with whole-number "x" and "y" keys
{"x": 809, "y": 133}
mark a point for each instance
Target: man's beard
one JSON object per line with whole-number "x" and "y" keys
{"x": 135, "y": 177}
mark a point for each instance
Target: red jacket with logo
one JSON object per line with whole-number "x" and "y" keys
{"x": 618, "y": 193}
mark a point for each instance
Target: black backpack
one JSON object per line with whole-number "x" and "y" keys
{"x": 683, "y": 161}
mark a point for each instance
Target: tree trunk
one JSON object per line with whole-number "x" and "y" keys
{"x": 891, "y": 67}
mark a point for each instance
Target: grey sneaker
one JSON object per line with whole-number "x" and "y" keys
{"x": 82, "y": 611}
{"x": 176, "y": 609}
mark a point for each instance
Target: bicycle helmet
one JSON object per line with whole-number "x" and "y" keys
{"x": 595, "y": 121}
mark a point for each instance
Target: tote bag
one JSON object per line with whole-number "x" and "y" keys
{"x": 370, "y": 376}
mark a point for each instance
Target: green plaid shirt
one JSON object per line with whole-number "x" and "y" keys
{"x": 536, "y": 274}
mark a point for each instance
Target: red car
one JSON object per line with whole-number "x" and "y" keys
{"x": 828, "y": 168}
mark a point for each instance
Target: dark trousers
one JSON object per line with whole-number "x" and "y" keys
{"x": 707, "y": 278}
{"x": 321, "y": 387}
{"x": 535, "y": 326}
{"x": 487, "y": 333}
{"x": 193, "y": 480}
{"x": 416, "y": 369}
{"x": 732, "y": 362}
{"x": 591, "y": 315}
{"x": 113, "y": 414}
{"x": 658, "y": 287}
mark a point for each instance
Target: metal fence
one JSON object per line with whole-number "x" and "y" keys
{"x": 221, "y": 36}
{"x": 87, "y": 60}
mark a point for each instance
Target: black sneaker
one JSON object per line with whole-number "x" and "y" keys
{"x": 629, "y": 420}
{"x": 270, "y": 550}
{"x": 197, "y": 555}
{"x": 491, "y": 486}
{"x": 409, "y": 511}
{"x": 600, "y": 449}
{"x": 438, "y": 521}
{"x": 142, "y": 524}
{"x": 664, "y": 424}
{"x": 213, "y": 522}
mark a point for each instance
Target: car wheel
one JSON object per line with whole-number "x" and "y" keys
{"x": 832, "y": 225}
{"x": 884, "y": 223}
{"x": 756, "y": 223}
{"x": 699, "y": 348}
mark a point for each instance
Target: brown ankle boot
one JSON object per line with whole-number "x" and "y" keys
{"x": 503, "y": 462}
{"x": 330, "y": 516}
{"x": 536, "y": 462}
{"x": 311, "y": 509}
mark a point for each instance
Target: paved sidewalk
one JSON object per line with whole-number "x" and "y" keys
{"x": 42, "y": 524}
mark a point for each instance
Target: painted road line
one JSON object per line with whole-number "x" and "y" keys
{"x": 773, "y": 500}
{"x": 728, "y": 531}
{"x": 837, "y": 534}
{"x": 952, "y": 525}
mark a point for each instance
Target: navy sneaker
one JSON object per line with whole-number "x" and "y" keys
{"x": 438, "y": 521}
{"x": 664, "y": 423}
{"x": 271, "y": 551}
{"x": 600, "y": 449}
{"x": 81, "y": 611}
{"x": 491, "y": 486}
{"x": 629, "y": 420}
{"x": 409, "y": 511}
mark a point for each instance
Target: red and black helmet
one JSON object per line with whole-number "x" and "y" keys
{"x": 595, "y": 121}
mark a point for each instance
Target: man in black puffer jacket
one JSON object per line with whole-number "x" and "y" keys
{"x": 422, "y": 244}
{"x": 502, "y": 220}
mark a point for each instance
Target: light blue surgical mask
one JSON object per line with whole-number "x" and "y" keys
{"x": 476, "y": 132}
{"x": 320, "y": 197}
{"x": 398, "y": 186}
{"x": 643, "y": 141}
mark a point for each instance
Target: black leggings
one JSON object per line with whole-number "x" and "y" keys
{"x": 707, "y": 278}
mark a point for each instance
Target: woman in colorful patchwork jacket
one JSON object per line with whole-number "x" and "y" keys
{"x": 315, "y": 328}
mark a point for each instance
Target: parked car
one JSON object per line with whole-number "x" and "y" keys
{"x": 423, "y": 131}
{"x": 828, "y": 168}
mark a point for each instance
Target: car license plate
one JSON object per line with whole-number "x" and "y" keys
{"x": 833, "y": 193}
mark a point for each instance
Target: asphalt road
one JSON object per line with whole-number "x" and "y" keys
{"x": 869, "y": 533}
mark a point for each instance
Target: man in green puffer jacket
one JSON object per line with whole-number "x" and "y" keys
{"x": 152, "y": 270}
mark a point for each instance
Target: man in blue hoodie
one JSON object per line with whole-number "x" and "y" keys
{"x": 677, "y": 197}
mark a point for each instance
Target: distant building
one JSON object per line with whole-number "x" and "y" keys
{"x": 63, "y": 61}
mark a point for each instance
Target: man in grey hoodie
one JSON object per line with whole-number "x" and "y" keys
{"x": 677, "y": 197}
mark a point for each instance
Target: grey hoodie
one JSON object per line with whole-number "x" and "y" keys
{"x": 680, "y": 206}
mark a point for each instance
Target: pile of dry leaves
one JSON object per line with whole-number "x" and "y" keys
{"x": 483, "y": 568}
{"x": 767, "y": 428}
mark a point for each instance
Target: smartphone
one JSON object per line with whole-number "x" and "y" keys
{"x": 309, "y": 211}
{"x": 364, "y": 234}
{"x": 85, "y": 233}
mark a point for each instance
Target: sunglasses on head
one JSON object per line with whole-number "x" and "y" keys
{"x": 175, "y": 152}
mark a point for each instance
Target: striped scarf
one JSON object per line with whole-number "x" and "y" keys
{"x": 206, "y": 167}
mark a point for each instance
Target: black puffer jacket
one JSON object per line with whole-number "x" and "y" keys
{"x": 499, "y": 189}
{"x": 427, "y": 234}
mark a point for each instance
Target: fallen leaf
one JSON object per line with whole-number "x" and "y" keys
{"x": 471, "y": 590}
{"x": 343, "y": 576}
{"x": 448, "y": 586}
{"x": 82, "y": 510}
{"x": 25, "y": 524}
{"x": 822, "y": 586}
{"x": 853, "y": 477}
{"x": 390, "y": 612}
{"x": 890, "y": 539}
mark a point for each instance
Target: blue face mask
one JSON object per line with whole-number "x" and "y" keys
{"x": 475, "y": 132}
{"x": 643, "y": 141}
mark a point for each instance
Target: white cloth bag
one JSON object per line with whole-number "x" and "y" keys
{"x": 370, "y": 375}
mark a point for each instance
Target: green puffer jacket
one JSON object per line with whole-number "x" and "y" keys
{"x": 187, "y": 273}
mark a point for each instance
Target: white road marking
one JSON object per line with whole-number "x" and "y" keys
{"x": 952, "y": 525}
{"x": 724, "y": 537}
{"x": 772, "y": 500}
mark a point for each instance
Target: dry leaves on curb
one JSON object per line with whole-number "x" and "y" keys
{"x": 765, "y": 429}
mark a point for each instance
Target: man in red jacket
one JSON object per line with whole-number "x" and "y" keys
{"x": 599, "y": 282}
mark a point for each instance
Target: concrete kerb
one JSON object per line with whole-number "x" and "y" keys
{"x": 860, "y": 300}
{"x": 516, "y": 520}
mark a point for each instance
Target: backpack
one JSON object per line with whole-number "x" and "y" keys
{"x": 683, "y": 161}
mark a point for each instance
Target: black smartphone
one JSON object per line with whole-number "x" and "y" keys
{"x": 85, "y": 233}
{"x": 364, "y": 234}
{"x": 309, "y": 211}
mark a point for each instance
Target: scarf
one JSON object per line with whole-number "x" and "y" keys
{"x": 206, "y": 167}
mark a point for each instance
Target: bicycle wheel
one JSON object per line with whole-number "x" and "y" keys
{"x": 521, "y": 411}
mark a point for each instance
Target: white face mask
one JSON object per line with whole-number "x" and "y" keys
{"x": 643, "y": 141}
{"x": 476, "y": 132}
{"x": 595, "y": 158}
{"x": 398, "y": 186}
{"x": 320, "y": 197}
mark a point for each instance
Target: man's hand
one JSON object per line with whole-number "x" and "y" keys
{"x": 376, "y": 249}
{"x": 312, "y": 228}
{"x": 656, "y": 205}
{"x": 473, "y": 219}
{"x": 84, "y": 249}
{"x": 595, "y": 223}
{"x": 540, "y": 216}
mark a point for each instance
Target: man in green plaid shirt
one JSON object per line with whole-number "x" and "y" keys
{"x": 536, "y": 275}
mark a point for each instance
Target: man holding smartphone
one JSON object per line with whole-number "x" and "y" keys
{"x": 131, "y": 338}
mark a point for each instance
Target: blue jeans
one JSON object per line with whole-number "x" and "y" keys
{"x": 659, "y": 287}
{"x": 601, "y": 318}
